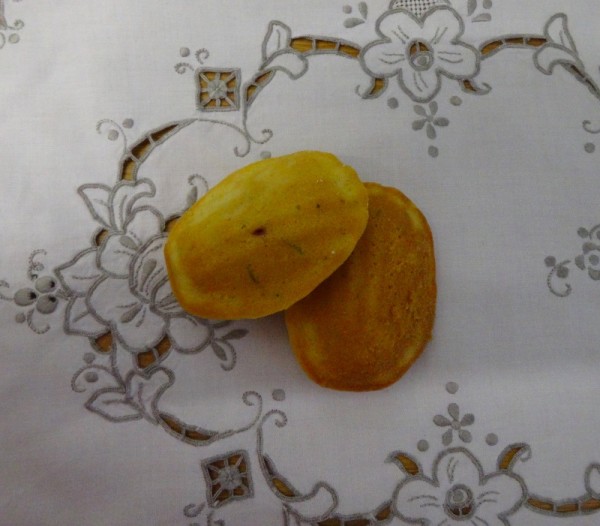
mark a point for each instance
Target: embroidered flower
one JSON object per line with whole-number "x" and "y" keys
{"x": 455, "y": 423}
{"x": 590, "y": 260}
{"x": 218, "y": 89}
{"x": 419, "y": 50}
{"x": 123, "y": 284}
{"x": 227, "y": 478}
{"x": 140, "y": 306}
{"x": 459, "y": 493}
{"x": 428, "y": 120}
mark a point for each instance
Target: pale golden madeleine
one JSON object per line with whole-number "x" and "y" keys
{"x": 266, "y": 236}
{"x": 364, "y": 326}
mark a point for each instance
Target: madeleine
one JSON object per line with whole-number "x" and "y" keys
{"x": 266, "y": 236}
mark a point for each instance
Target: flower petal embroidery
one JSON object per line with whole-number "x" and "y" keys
{"x": 458, "y": 466}
{"x": 188, "y": 334}
{"x": 115, "y": 255}
{"x": 383, "y": 59}
{"x": 442, "y": 25}
{"x": 501, "y": 494}
{"x": 456, "y": 60}
{"x": 124, "y": 197}
{"x": 417, "y": 499}
{"x": 142, "y": 331}
{"x": 79, "y": 320}
{"x": 132, "y": 321}
{"x": 143, "y": 225}
{"x": 79, "y": 275}
{"x": 421, "y": 86}
{"x": 399, "y": 27}
{"x": 290, "y": 62}
{"x": 144, "y": 391}
{"x": 551, "y": 55}
{"x": 149, "y": 271}
{"x": 557, "y": 31}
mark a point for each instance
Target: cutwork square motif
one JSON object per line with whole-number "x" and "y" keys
{"x": 227, "y": 478}
{"x": 218, "y": 89}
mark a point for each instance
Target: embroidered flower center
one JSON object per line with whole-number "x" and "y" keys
{"x": 459, "y": 502}
{"x": 216, "y": 88}
{"x": 229, "y": 478}
{"x": 420, "y": 55}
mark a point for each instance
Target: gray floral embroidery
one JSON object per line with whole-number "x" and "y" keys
{"x": 457, "y": 491}
{"x": 588, "y": 260}
{"x": 428, "y": 120}
{"x": 479, "y": 11}
{"x": 353, "y": 21}
{"x": 417, "y": 52}
{"x": 455, "y": 424}
{"x": 39, "y": 299}
{"x": 228, "y": 478}
{"x": 218, "y": 89}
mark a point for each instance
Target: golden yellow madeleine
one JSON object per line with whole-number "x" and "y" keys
{"x": 363, "y": 327}
{"x": 266, "y": 236}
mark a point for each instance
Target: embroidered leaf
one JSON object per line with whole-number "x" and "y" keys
{"x": 278, "y": 37}
{"x": 353, "y": 22}
{"x": 315, "y": 506}
{"x": 219, "y": 351}
{"x": 592, "y": 480}
{"x": 225, "y": 352}
{"x": 471, "y": 6}
{"x": 557, "y": 31}
{"x": 550, "y": 55}
{"x": 144, "y": 391}
{"x": 364, "y": 10}
{"x": 550, "y": 261}
{"x": 405, "y": 462}
{"x": 514, "y": 452}
{"x": 113, "y": 405}
{"x": 562, "y": 272}
{"x": 194, "y": 435}
{"x": 124, "y": 197}
{"x": 79, "y": 275}
{"x": 96, "y": 198}
{"x": 441, "y": 121}
{"x": 483, "y": 17}
{"x": 290, "y": 63}
{"x": 418, "y": 125}
{"x": 79, "y": 319}
{"x": 236, "y": 334}
{"x": 580, "y": 262}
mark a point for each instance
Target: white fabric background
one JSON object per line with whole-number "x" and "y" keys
{"x": 511, "y": 186}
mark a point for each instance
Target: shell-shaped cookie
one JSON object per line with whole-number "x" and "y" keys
{"x": 266, "y": 236}
{"x": 364, "y": 326}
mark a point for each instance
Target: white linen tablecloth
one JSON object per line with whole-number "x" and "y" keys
{"x": 118, "y": 409}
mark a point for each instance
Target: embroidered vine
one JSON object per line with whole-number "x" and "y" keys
{"x": 455, "y": 489}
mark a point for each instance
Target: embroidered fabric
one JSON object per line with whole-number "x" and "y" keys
{"x": 120, "y": 408}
